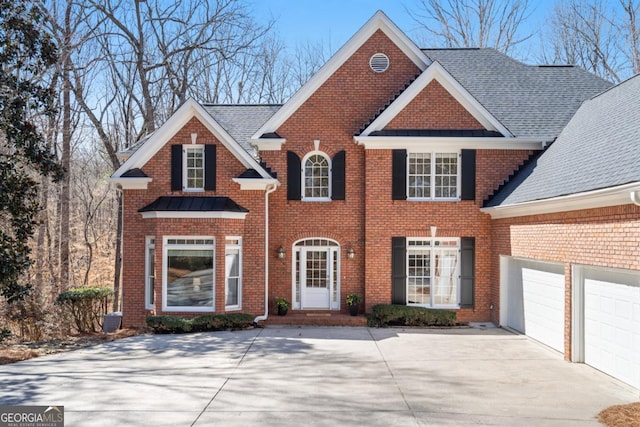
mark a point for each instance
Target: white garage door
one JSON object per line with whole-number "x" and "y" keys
{"x": 533, "y": 299}
{"x": 612, "y": 324}
{"x": 543, "y": 297}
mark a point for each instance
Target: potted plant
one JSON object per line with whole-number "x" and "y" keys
{"x": 353, "y": 301}
{"x": 283, "y": 306}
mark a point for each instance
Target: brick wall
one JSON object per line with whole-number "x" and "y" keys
{"x": 251, "y": 229}
{"x": 604, "y": 237}
{"x": 333, "y": 114}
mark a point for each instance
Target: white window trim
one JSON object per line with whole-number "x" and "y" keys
{"x": 303, "y": 176}
{"x": 432, "y": 191}
{"x": 149, "y": 244}
{"x": 165, "y": 253}
{"x": 185, "y": 172}
{"x": 432, "y": 264}
{"x": 235, "y": 246}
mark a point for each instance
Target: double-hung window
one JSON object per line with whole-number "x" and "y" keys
{"x": 193, "y": 168}
{"x": 150, "y": 275}
{"x": 433, "y": 272}
{"x": 233, "y": 273}
{"x": 188, "y": 274}
{"x": 433, "y": 176}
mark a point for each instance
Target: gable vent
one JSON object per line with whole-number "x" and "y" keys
{"x": 379, "y": 62}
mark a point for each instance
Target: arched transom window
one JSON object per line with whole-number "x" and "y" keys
{"x": 316, "y": 177}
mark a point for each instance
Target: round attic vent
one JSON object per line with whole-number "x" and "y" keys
{"x": 379, "y": 62}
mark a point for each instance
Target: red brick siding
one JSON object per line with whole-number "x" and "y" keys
{"x": 333, "y": 114}
{"x": 605, "y": 237}
{"x": 135, "y": 229}
{"x": 434, "y": 108}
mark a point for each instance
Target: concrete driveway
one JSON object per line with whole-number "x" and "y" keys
{"x": 316, "y": 376}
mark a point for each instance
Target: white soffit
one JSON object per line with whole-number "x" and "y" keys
{"x": 614, "y": 196}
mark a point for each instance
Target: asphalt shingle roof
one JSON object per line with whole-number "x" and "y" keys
{"x": 242, "y": 121}
{"x": 529, "y": 100}
{"x": 599, "y": 148}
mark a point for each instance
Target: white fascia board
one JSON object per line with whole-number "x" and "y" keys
{"x": 613, "y": 196}
{"x": 256, "y": 183}
{"x": 451, "y": 143}
{"x": 132, "y": 183}
{"x": 451, "y": 85}
{"x": 379, "y": 21}
{"x": 194, "y": 214}
{"x": 162, "y": 135}
{"x": 269, "y": 144}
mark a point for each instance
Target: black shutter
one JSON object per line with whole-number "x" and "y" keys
{"x": 399, "y": 270}
{"x": 467, "y": 270}
{"x": 293, "y": 176}
{"x": 468, "y": 175}
{"x": 210, "y": 167}
{"x": 176, "y": 168}
{"x": 399, "y": 175}
{"x": 338, "y": 176}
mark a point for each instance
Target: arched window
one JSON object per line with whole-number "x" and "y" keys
{"x": 316, "y": 175}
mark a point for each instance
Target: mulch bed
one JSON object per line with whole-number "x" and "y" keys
{"x": 621, "y": 415}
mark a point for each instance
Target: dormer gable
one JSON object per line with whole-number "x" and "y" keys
{"x": 435, "y": 81}
{"x": 189, "y": 110}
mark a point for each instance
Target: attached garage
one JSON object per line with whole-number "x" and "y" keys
{"x": 532, "y": 299}
{"x": 607, "y": 321}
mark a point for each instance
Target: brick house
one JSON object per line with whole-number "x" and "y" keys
{"x": 391, "y": 173}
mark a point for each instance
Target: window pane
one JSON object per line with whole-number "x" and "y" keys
{"x": 316, "y": 173}
{"x": 419, "y": 175}
{"x": 446, "y": 175}
{"x": 195, "y": 167}
{"x": 232, "y": 268}
{"x": 189, "y": 278}
{"x": 445, "y": 278}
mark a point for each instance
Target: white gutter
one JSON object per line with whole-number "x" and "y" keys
{"x": 612, "y": 196}
{"x": 270, "y": 190}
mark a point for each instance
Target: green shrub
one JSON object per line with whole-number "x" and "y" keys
{"x": 4, "y": 334}
{"x": 402, "y": 315}
{"x": 204, "y": 323}
{"x": 87, "y": 306}
{"x": 168, "y": 324}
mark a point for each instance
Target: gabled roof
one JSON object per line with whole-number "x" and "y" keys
{"x": 598, "y": 150}
{"x": 379, "y": 21}
{"x": 181, "y": 117}
{"x": 530, "y": 101}
{"x": 435, "y": 71}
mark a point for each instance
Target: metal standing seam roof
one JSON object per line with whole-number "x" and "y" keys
{"x": 193, "y": 204}
{"x": 599, "y": 148}
{"x": 531, "y": 101}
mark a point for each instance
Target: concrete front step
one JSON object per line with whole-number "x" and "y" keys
{"x": 316, "y": 318}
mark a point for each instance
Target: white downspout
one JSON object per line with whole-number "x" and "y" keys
{"x": 635, "y": 197}
{"x": 270, "y": 190}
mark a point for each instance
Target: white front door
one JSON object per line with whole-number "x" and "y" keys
{"x": 316, "y": 270}
{"x": 316, "y": 278}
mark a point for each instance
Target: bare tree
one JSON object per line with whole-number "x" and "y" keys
{"x": 474, "y": 23}
{"x": 602, "y": 37}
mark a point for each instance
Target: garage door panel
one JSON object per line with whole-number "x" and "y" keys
{"x": 543, "y": 297}
{"x": 612, "y": 327}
